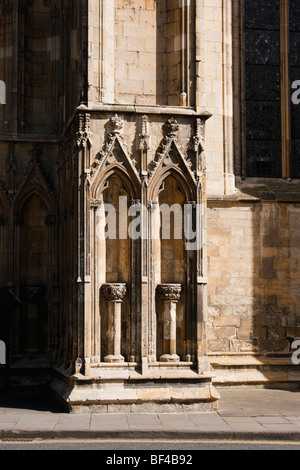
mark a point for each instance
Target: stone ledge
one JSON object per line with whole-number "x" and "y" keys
{"x": 147, "y": 392}
{"x": 144, "y": 109}
{"x": 261, "y": 190}
{"x": 251, "y": 370}
{"x": 270, "y": 190}
{"x": 241, "y": 360}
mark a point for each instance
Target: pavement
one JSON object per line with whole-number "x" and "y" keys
{"x": 244, "y": 413}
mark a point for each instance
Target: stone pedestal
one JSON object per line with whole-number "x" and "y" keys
{"x": 114, "y": 294}
{"x": 169, "y": 294}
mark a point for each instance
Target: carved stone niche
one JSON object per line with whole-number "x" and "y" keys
{"x": 169, "y": 295}
{"x": 114, "y": 294}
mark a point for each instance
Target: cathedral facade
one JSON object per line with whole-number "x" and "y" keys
{"x": 149, "y": 198}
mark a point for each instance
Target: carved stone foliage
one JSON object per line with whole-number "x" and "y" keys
{"x": 198, "y": 139}
{"x": 168, "y": 292}
{"x": 115, "y": 125}
{"x": 114, "y": 292}
{"x": 84, "y": 135}
{"x": 115, "y": 151}
{"x": 145, "y": 135}
{"x": 171, "y": 129}
{"x": 170, "y": 152}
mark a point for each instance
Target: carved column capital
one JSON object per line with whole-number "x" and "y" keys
{"x": 191, "y": 203}
{"x": 169, "y": 292}
{"x": 114, "y": 292}
{"x": 152, "y": 205}
{"x": 95, "y": 203}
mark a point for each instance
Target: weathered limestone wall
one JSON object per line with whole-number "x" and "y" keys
{"x": 45, "y": 80}
{"x": 28, "y": 244}
{"x": 38, "y": 86}
{"x": 138, "y": 61}
{"x": 139, "y": 55}
{"x": 214, "y": 91}
{"x": 253, "y": 280}
{"x": 143, "y": 46}
{"x": 74, "y": 57}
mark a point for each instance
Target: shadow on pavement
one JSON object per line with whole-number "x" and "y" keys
{"x": 32, "y": 403}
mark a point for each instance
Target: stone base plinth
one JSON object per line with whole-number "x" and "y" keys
{"x": 114, "y": 358}
{"x": 169, "y": 358}
{"x": 254, "y": 369}
{"x": 118, "y": 388}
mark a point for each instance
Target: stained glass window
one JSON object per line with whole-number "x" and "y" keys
{"x": 295, "y": 86}
{"x": 262, "y": 88}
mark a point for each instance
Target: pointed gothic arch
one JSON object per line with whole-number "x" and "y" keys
{"x": 174, "y": 268}
{"x": 98, "y": 185}
{"x": 114, "y": 159}
{"x": 186, "y": 183}
{"x": 115, "y": 257}
{"x": 169, "y": 159}
{"x": 35, "y": 183}
{"x": 34, "y": 225}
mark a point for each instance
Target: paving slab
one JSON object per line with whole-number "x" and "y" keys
{"x": 142, "y": 422}
{"x": 110, "y": 423}
{"x": 282, "y": 428}
{"x": 244, "y": 413}
{"x": 272, "y": 420}
{"x": 174, "y": 421}
{"x": 258, "y": 402}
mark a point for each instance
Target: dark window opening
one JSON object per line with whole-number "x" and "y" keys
{"x": 295, "y": 77}
{"x": 262, "y": 89}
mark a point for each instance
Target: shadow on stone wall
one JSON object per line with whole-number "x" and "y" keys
{"x": 254, "y": 286}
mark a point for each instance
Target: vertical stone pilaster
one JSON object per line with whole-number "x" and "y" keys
{"x": 201, "y": 253}
{"x": 114, "y": 294}
{"x": 229, "y": 180}
{"x": 144, "y": 147}
{"x": 199, "y": 29}
{"x": 84, "y": 143}
{"x": 107, "y": 19}
{"x": 169, "y": 295}
{"x": 14, "y": 68}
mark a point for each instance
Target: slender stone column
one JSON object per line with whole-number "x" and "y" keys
{"x": 114, "y": 294}
{"x": 169, "y": 294}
